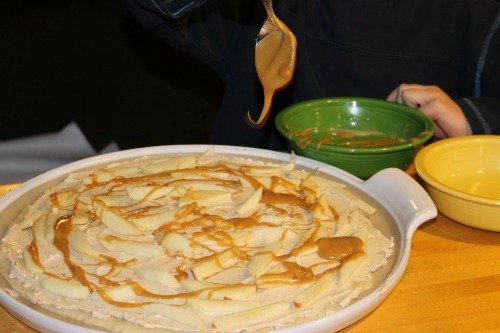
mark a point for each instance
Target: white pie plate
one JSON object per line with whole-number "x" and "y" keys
{"x": 402, "y": 205}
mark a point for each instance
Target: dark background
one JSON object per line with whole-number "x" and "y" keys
{"x": 92, "y": 62}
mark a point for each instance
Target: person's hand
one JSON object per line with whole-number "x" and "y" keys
{"x": 448, "y": 118}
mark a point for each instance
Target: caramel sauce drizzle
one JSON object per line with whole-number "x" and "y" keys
{"x": 285, "y": 199}
{"x": 304, "y": 138}
{"x": 181, "y": 275}
{"x": 33, "y": 251}
{"x": 62, "y": 230}
{"x": 336, "y": 249}
{"x": 340, "y": 248}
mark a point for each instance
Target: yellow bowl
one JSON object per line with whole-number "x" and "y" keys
{"x": 462, "y": 176}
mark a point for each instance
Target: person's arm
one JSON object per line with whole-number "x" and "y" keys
{"x": 483, "y": 114}
{"x": 479, "y": 113}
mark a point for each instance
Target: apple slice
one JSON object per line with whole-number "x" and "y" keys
{"x": 138, "y": 193}
{"x": 39, "y": 229}
{"x": 160, "y": 276}
{"x": 100, "y": 176}
{"x": 194, "y": 285}
{"x": 261, "y": 263}
{"x": 66, "y": 288}
{"x": 63, "y": 199}
{"x": 79, "y": 242}
{"x": 206, "y": 198}
{"x": 362, "y": 233}
{"x": 219, "y": 291}
{"x": 211, "y": 265}
{"x": 264, "y": 171}
{"x": 249, "y": 207}
{"x": 318, "y": 181}
{"x": 160, "y": 192}
{"x": 314, "y": 291}
{"x": 177, "y": 243}
{"x": 122, "y": 293}
{"x": 113, "y": 220}
{"x": 233, "y": 292}
{"x": 220, "y": 306}
{"x": 134, "y": 248}
{"x": 343, "y": 227}
{"x": 50, "y": 222}
{"x": 347, "y": 270}
{"x": 172, "y": 163}
{"x": 30, "y": 264}
{"x": 249, "y": 183}
{"x": 112, "y": 200}
{"x": 263, "y": 236}
{"x": 179, "y": 314}
{"x": 125, "y": 171}
{"x": 194, "y": 185}
{"x": 252, "y": 316}
{"x": 240, "y": 237}
{"x": 153, "y": 221}
{"x": 264, "y": 260}
{"x": 80, "y": 218}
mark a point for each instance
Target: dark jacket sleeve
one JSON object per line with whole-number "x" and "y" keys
{"x": 482, "y": 109}
{"x": 208, "y": 31}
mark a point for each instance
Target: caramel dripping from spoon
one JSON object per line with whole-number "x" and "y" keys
{"x": 275, "y": 57}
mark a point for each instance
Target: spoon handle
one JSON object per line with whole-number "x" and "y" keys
{"x": 268, "y": 5}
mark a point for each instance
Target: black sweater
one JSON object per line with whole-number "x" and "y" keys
{"x": 345, "y": 48}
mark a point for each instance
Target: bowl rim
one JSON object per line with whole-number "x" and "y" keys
{"x": 426, "y": 176}
{"x": 424, "y": 136}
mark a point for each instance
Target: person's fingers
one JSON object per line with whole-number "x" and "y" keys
{"x": 447, "y": 116}
{"x": 417, "y": 96}
{"x": 397, "y": 95}
{"x": 393, "y": 95}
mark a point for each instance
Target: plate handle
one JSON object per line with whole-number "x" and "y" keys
{"x": 408, "y": 200}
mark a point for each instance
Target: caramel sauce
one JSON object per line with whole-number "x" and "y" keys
{"x": 309, "y": 195}
{"x": 343, "y": 138}
{"x": 387, "y": 141}
{"x": 275, "y": 199}
{"x": 140, "y": 291}
{"x": 340, "y": 248}
{"x": 275, "y": 64}
{"x": 278, "y": 210}
{"x": 280, "y": 181}
{"x": 33, "y": 251}
{"x": 248, "y": 223}
{"x": 298, "y": 272}
{"x": 254, "y": 182}
{"x": 62, "y": 230}
{"x": 328, "y": 210}
{"x": 211, "y": 290}
{"x": 181, "y": 275}
{"x": 186, "y": 210}
{"x": 115, "y": 264}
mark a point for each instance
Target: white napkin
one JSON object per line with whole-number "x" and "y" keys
{"x": 25, "y": 158}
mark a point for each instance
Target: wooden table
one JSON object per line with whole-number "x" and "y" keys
{"x": 451, "y": 284}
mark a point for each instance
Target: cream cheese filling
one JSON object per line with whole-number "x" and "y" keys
{"x": 197, "y": 243}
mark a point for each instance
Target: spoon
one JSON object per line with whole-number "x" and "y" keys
{"x": 275, "y": 52}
